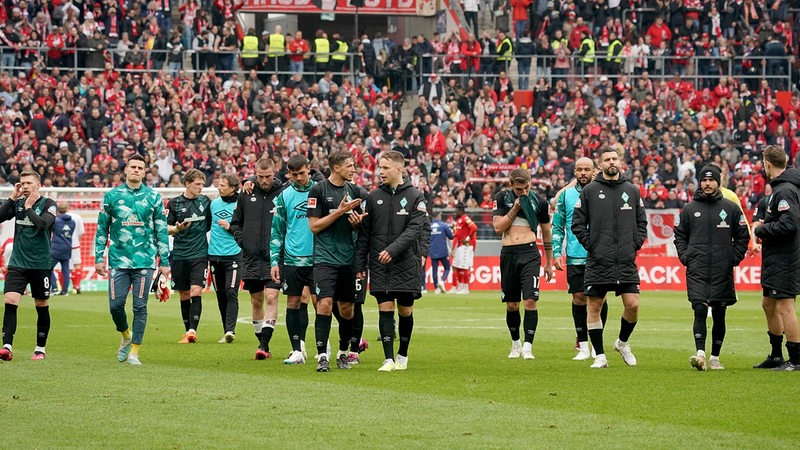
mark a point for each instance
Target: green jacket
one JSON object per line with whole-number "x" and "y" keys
{"x": 134, "y": 221}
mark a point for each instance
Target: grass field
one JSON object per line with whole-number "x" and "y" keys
{"x": 460, "y": 390}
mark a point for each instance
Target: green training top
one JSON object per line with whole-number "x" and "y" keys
{"x": 190, "y": 243}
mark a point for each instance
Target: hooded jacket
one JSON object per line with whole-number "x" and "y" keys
{"x": 711, "y": 239}
{"x": 61, "y": 242}
{"x": 610, "y": 223}
{"x": 251, "y": 227}
{"x": 397, "y": 221}
{"x": 780, "y": 260}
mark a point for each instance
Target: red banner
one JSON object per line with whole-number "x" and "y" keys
{"x": 655, "y": 272}
{"x": 382, "y": 7}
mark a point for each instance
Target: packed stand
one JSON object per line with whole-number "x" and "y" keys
{"x": 595, "y": 84}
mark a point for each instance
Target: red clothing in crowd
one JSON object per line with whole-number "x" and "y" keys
{"x": 465, "y": 232}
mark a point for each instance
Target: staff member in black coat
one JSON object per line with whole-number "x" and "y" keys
{"x": 780, "y": 262}
{"x": 610, "y": 223}
{"x": 251, "y": 226}
{"x": 711, "y": 240}
{"x": 391, "y": 243}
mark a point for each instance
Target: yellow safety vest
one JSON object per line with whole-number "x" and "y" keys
{"x": 505, "y": 56}
{"x": 612, "y": 49}
{"x": 341, "y": 51}
{"x": 589, "y": 56}
{"x": 250, "y": 47}
{"x": 323, "y": 48}
{"x": 277, "y": 45}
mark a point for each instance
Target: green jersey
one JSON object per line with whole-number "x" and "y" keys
{"x": 133, "y": 225}
{"x": 334, "y": 245}
{"x": 32, "y": 230}
{"x": 190, "y": 243}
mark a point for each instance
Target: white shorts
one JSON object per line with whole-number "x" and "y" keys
{"x": 463, "y": 257}
{"x": 75, "y": 259}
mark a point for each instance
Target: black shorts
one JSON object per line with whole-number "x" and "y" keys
{"x": 253, "y": 286}
{"x": 403, "y": 298}
{"x": 189, "y": 272}
{"x": 775, "y": 293}
{"x": 294, "y": 279}
{"x": 600, "y": 290}
{"x": 336, "y": 282}
{"x": 520, "y": 266}
{"x": 575, "y": 278}
{"x": 39, "y": 279}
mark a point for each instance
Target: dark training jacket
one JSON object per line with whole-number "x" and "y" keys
{"x": 780, "y": 247}
{"x": 610, "y": 223}
{"x": 711, "y": 239}
{"x": 398, "y": 223}
{"x": 251, "y": 226}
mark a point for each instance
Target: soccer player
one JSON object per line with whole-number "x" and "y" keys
{"x": 251, "y": 226}
{"x": 30, "y": 261}
{"x": 334, "y": 217}
{"x": 189, "y": 219}
{"x": 518, "y": 213}
{"x": 292, "y": 250}
{"x": 440, "y": 233}
{"x": 391, "y": 242}
{"x": 132, "y": 218}
{"x": 465, "y": 237}
{"x": 609, "y": 221}
{"x": 780, "y": 261}
{"x": 575, "y": 253}
{"x": 711, "y": 239}
{"x": 224, "y": 255}
{"x": 61, "y": 248}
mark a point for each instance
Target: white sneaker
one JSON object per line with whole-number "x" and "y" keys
{"x": 600, "y": 362}
{"x": 527, "y": 354}
{"x": 222, "y": 340}
{"x": 624, "y": 349}
{"x": 453, "y": 290}
{"x": 441, "y": 287}
{"x": 582, "y": 355}
{"x": 698, "y": 362}
{"x": 388, "y": 366}
{"x": 463, "y": 291}
{"x": 401, "y": 363}
{"x": 714, "y": 364}
{"x": 303, "y": 349}
{"x": 516, "y": 351}
{"x": 295, "y": 358}
{"x": 229, "y": 337}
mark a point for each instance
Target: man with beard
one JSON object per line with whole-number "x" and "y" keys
{"x": 780, "y": 247}
{"x": 575, "y": 253}
{"x": 710, "y": 225}
{"x": 251, "y": 225}
{"x": 609, "y": 221}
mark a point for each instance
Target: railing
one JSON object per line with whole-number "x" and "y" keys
{"x": 408, "y": 76}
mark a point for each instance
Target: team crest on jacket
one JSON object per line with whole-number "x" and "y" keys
{"x": 625, "y": 197}
{"x": 722, "y": 224}
{"x": 312, "y": 202}
{"x": 783, "y": 205}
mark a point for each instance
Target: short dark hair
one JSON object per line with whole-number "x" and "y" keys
{"x": 136, "y": 157}
{"x": 192, "y": 175}
{"x": 339, "y": 158}
{"x": 265, "y": 163}
{"x": 232, "y": 179}
{"x": 776, "y": 156}
{"x": 394, "y": 155}
{"x": 297, "y": 162}
{"x": 519, "y": 176}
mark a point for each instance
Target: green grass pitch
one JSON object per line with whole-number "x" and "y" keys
{"x": 460, "y": 390}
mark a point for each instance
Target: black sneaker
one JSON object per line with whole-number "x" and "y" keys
{"x": 788, "y": 366}
{"x": 323, "y": 365}
{"x": 341, "y": 362}
{"x": 770, "y": 363}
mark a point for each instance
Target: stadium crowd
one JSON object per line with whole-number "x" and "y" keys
{"x": 606, "y": 74}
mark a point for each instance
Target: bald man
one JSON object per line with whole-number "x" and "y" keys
{"x": 575, "y": 253}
